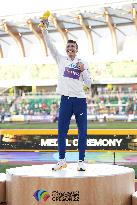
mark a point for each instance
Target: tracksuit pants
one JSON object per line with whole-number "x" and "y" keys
{"x": 68, "y": 107}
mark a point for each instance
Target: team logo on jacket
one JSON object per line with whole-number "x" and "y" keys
{"x": 71, "y": 71}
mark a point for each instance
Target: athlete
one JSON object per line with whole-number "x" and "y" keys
{"x": 72, "y": 74}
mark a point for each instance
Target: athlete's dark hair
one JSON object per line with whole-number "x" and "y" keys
{"x": 71, "y": 41}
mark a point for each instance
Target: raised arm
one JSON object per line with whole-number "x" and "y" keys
{"x": 52, "y": 48}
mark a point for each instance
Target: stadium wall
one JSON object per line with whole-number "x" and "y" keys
{"x": 46, "y": 140}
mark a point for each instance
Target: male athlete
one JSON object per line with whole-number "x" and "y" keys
{"x": 72, "y": 72}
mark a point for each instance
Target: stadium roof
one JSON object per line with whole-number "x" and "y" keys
{"x": 87, "y": 18}
{"x": 93, "y": 16}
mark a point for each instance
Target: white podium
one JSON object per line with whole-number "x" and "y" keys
{"x": 100, "y": 184}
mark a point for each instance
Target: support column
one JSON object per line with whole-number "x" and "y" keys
{"x": 134, "y": 15}
{"x": 16, "y": 36}
{"x": 37, "y": 32}
{"x": 62, "y": 31}
{"x": 1, "y": 52}
{"x": 112, "y": 29}
{"x": 88, "y": 33}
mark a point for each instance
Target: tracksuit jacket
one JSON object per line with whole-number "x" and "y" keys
{"x": 70, "y": 79}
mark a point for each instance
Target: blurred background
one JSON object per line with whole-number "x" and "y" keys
{"x": 107, "y": 37}
{"x": 106, "y": 33}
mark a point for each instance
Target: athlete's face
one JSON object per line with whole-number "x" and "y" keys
{"x": 71, "y": 50}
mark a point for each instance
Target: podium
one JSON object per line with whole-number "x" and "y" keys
{"x": 2, "y": 187}
{"x": 100, "y": 184}
{"x": 134, "y": 198}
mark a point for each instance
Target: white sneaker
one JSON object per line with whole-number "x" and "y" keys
{"x": 60, "y": 165}
{"x": 81, "y": 166}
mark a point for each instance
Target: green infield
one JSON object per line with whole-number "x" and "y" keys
{"x": 91, "y": 125}
{"x": 3, "y": 167}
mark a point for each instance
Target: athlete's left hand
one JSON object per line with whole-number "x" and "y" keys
{"x": 80, "y": 66}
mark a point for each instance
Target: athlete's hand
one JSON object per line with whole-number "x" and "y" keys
{"x": 80, "y": 66}
{"x": 44, "y": 21}
{"x": 41, "y": 25}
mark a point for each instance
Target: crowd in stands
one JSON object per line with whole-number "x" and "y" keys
{"x": 99, "y": 103}
{"x": 28, "y": 105}
{"x": 116, "y": 104}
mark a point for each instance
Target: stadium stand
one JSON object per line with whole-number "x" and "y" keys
{"x": 103, "y": 104}
{"x": 28, "y": 76}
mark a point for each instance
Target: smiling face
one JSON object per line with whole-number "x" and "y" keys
{"x": 71, "y": 48}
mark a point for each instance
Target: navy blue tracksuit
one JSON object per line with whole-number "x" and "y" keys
{"x": 68, "y": 107}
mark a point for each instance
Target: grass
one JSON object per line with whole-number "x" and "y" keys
{"x": 134, "y": 167}
{"x": 3, "y": 167}
{"x": 91, "y": 125}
